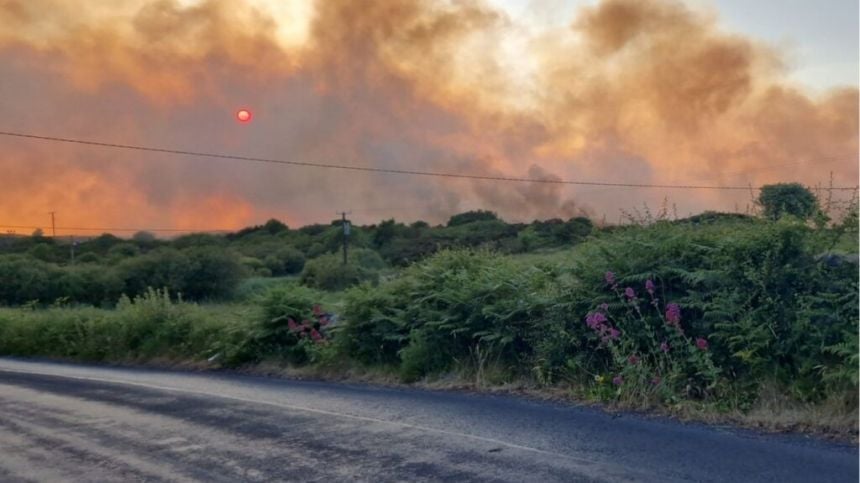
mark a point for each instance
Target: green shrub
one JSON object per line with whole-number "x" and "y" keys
{"x": 88, "y": 257}
{"x": 24, "y": 279}
{"x": 89, "y": 284}
{"x": 792, "y": 199}
{"x": 471, "y": 217}
{"x": 214, "y": 273}
{"x": 160, "y": 268}
{"x": 199, "y": 273}
{"x": 123, "y": 250}
{"x": 445, "y": 309}
{"x": 285, "y": 260}
{"x": 290, "y": 324}
{"x": 753, "y": 289}
{"x": 149, "y": 326}
{"x": 374, "y": 332}
{"x": 328, "y": 272}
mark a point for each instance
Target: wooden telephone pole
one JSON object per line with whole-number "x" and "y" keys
{"x": 346, "y": 227}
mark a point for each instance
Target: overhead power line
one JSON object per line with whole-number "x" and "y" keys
{"x": 369, "y": 169}
{"x": 110, "y": 229}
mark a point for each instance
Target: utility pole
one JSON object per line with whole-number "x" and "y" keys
{"x": 345, "y": 225}
{"x": 53, "y": 225}
{"x": 72, "y": 248}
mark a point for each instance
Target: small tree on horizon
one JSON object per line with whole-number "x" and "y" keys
{"x": 777, "y": 200}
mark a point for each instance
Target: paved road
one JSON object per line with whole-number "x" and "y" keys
{"x": 62, "y": 422}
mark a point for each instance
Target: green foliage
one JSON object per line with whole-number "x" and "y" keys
{"x": 89, "y": 258}
{"x": 754, "y": 289}
{"x": 445, "y": 308}
{"x": 471, "y": 217}
{"x": 123, "y": 250}
{"x": 284, "y": 260}
{"x": 761, "y": 302}
{"x": 146, "y": 327}
{"x": 793, "y": 199}
{"x": 374, "y": 332}
{"x": 198, "y": 273}
{"x": 24, "y": 279}
{"x": 328, "y": 272}
{"x": 288, "y": 318}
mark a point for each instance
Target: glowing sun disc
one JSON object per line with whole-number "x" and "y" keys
{"x": 243, "y": 115}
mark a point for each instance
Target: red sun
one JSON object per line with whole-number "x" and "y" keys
{"x": 243, "y": 115}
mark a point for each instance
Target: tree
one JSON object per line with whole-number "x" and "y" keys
{"x": 472, "y": 216}
{"x": 385, "y": 232}
{"x": 143, "y": 237}
{"x": 793, "y": 199}
{"x": 274, "y": 226}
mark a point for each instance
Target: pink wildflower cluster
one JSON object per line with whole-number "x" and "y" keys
{"x": 673, "y": 314}
{"x": 630, "y": 293}
{"x": 598, "y": 322}
{"x": 609, "y": 277}
{"x": 307, "y": 329}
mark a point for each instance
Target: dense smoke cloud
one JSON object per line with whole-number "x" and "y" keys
{"x": 631, "y": 91}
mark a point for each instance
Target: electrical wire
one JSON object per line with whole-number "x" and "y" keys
{"x": 479, "y": 177}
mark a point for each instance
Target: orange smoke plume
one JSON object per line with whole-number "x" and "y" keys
{"x": 631, "y": 91}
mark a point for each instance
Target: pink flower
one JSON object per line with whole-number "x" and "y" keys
{"x": 603, "y": 307}
{"x": 630, "y": 293}
{"x": 673, "y": 314}
{"x": 609, "y": 277}
{"x": 649, "y": 286}
{"x": 317, "y": 310}
{"x": 595, "y": 320}
{"x": 323, "y": 320}
{"x": 618, "y": 380}
{"x": 614, "y": 333}
{"x": 292, "y": 325}
{"x": 315, "y": 335}
{"x": 633, "y": 359}
{"x": 664, "y": 346}
{"x": 702, "y": 344}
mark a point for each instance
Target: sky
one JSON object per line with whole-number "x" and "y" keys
{"x": 668, "y": 92}
{"x": 818, "y": 39}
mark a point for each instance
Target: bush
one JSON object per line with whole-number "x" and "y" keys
{"x": 160, "y": 268}
{"x": 198, "y": 273}
{"x": 793, "y": 199}
{"x": 213, "y": 273}
{"x": 285, "y": 260}
{"x": 453, "y": 306}
{"x": 24, "y": 279}
{"x": 328, "y": 272}
{"x": 374, "y": 331}
{"x": 89, "y": 284}
{"x": 471, "y": 217}
{"x": 291, "y": 324}
{"x": 123, "y": 250}
{"x": 146, "y": 327}
{"x": 752, "y": 289}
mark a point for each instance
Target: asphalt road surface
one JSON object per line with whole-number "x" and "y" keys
{"x": 61, "y": 422}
